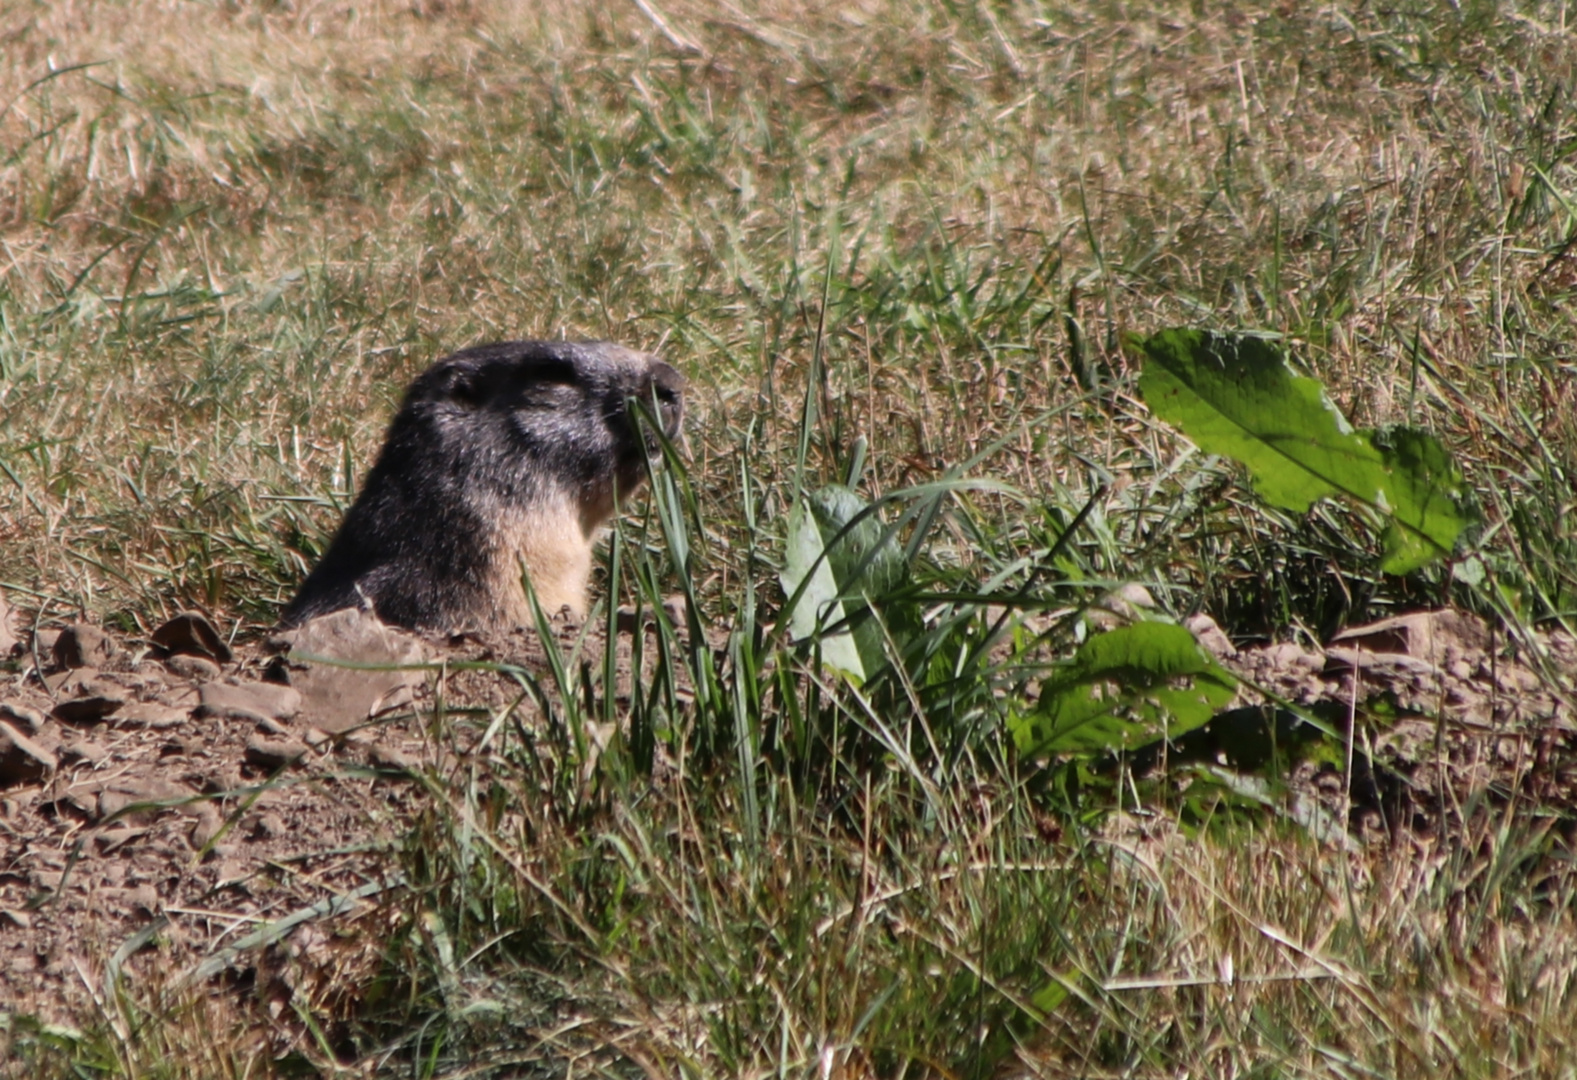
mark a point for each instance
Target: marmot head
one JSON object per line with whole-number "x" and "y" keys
{"x": 530, "y": 416}
{"x": 501, "y": 457}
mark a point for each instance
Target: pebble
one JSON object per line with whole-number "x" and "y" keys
{"x": 80, "y": 645}
{"x": 274, "y": 753}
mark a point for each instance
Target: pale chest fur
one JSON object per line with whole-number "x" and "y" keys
{"x": 551, "y": 542}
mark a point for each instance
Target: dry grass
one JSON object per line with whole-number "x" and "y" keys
{"x": 231, "y": 232}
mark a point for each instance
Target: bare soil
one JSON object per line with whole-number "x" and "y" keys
{"x": 168, "y": 807}
{"x": 167, "y": 811}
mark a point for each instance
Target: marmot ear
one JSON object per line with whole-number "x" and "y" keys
{"x": 461, "y": 383}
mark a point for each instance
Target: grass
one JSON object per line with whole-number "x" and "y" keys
{"x": 233, "y": 232}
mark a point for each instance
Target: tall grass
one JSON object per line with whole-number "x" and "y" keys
{"x": 890, "y": 242}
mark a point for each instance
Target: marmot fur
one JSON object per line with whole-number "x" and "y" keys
{"x": 501, "y": 457}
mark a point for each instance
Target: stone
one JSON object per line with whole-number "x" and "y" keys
{"x": 382, "y": 756}
{"x": 89, "y": 709}
{"x": 274, "y": 754}
{"x": 118, "y": 836}
{"x": 192, "y": 667}
{"x": 1387, "y": 665}
{"x": 22, "y": 761}
{"x": 336, "y": 697}
{"x": 248, "y": 701}
{"x": 191, "y": 634}
{"x": 16, "y": 711}
{"x": 82, "y": 646}
{"x": 73, "y": 682}
{"x": 8, "y": 641}
{"x": 1210, "y": 636}
{"x": 266, "y": 826}
{"x": 117, "y": 796}
{"x": 1121, "y": 606}
{"x": 209, "y": 822}
{"x": 1422, "y": 635}
{"x": 84, "y": 750}
{"x": 147, "y": 714}
{"x": 144, "y": 900}
{"x": 184, "y": 697}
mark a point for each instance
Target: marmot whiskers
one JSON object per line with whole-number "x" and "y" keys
{"x": 501, "y": 456}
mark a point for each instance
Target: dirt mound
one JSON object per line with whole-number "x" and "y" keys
{"x": 1408, "y": 720}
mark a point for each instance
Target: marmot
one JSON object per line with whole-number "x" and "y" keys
{"x": 501, "y": 456}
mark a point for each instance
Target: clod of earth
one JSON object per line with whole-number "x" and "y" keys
{"x": 255, "y": 701}
{"x": 348, "y": 667}
{"x": 22, "y": 761}
{"x": 8, "y": 642}
{"x": 190, "y": 634}
{"x": 83, "y": 646}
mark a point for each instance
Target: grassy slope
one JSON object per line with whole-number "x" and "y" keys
{"x": 230, "y": 241}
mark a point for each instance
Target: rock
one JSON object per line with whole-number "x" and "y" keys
{"x": 91, "y": 708}
{"x": 73, "y": 682}
{"x": 1210, "y": 636}
{"x": 1290, "y": 658}
{"x": 192, "y": 667}
{"x": 209, "y": 822}
{"x": 116, "y": 796}
{"x": 144, "y": 900}
{"x": 383, "y": 756}
{"x": 22, "y": 761}
{"x": 1121, "y": 606}
{"x": 8, "y": 641}
{"x": 267, "y": 826}
{"x": 232, "y": 872}
{"x": 248, "y": 701}
{"x": 337, "y": 698}
{"x": 84, "y": 750}
{"x": 274, "y": 754}
{"x": 184, "y": 697}
{"x": 82, "y": 646}
{"x": 1423, "y": 635}
{"x": 118, "y": 836}
{"x": 15, "y": 710}
{"x": 266, "y": 726}
{"x": 674, "y": 609}
{"x": 1383, "y": 665}
{"x": 191, "y": 634}
{"x": 140, "y": 714}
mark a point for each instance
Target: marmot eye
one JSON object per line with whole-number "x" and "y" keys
{"x": 551, "y": 372}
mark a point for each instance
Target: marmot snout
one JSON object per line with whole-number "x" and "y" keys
{"x": 501, "y": 456}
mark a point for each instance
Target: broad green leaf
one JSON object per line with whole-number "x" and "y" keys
{"x": 1423, "y": 497}
{"x": 1124, "y": 688}
{"x": 840, "y": 568}
{"x": 1233, "y": 395}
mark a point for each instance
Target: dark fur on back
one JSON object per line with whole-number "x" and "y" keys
{"x": 500, "y": 454}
